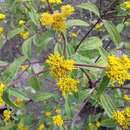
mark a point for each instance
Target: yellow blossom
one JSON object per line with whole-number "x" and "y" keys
{"x": 67, "y": 10}
{"x": 1, "y": 30}
{"x": 60, "y": 67}
{"x": 57, "y": 120}
{"x": 127, "y": 4}
{"x": 18, "y": 102}
{"x": 19, "y": 0}
{"x": 6, "y": 115}
{"x": 20, "y": 125}
{"x": 24, "y": 68}
{"x": 58, "y": 2}
{"x": 21, "y": 22}
{"x": 2, "y": 16}
{"x": 44, "y": 101}
{"x": 2, "y": 87}
{"x": 98, "y": 124}
{"x": 52, "y": 1}
{"x": 58, "y": 110}
{"x": 118, "y": 69}
{"x": 59, "y": 22}
{"x": 98, "y": 26}
{"x": 46, "y": 19}
{"x": 91, "y": 126}
{"x": 59, "y": 40}
{"x": 4, "y": 128}
{"x": 74, "y": 35}
{"x": 43, "y": 1}
{"x": 126, "y": 97}
{"x": 67, "y": 85}
{"x": 25, "y": 35}
{"x": 41, "y": 127}
{"x": 48, "y": 114}
{"x": 120, "y": 118}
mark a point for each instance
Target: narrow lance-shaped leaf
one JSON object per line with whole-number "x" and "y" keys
{"x": 90, "y": 6}
{"x": 113, "y": 32}
{"x": 11, "y": 71}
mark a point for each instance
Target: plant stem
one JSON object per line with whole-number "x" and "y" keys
{"x": 64, "y": 51}
{"x": 50, "y": 7}
{"x": 91, "y": 66}
{"x": 27, "y": 77}
{"x": 125, "y": 88}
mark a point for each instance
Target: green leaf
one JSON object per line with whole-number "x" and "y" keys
{"x": 44, "y": 40}
{"x": 26, "y": 47}
{"x": 34, "y": 81}
{"x": 11, "y": 71}
{"x": 2, "y": 42}
{"x": 90, "y": 44}
{"x": 103, "y": 85}
{"x": 76, "y": 22}
{"x": 107, "y": 104}
{"x": 14, "y": 32}
{"x": 120, "y": 27}
{"x": 57, "y": 49}
{"x": 17, "y": 93}
{"x": 34, "y": 18}
{"x": 90, "y": 6}
{"x": 84, "y": 94}
{"x": 109, "y": 123}
{"x": 69, "y": 50}
{"x": 40, "y": 96}
{"x": 3, "y": 63}
{"x": 113, "y": 32}
{"x": 7, "y": 100}
{"x": 68, "y": 107}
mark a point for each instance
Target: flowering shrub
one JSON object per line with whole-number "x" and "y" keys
{"x": 84, "y": 71}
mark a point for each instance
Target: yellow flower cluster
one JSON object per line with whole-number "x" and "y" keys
{"x": 126, "y": 97}
{"x": 74, "y": 35}
{"x": 24, "y": 35}
{"x": 98, "y": 26}
{"x": 67, "y": 85}
{"x": 59, "y": 69}
{"x": 1, "y": 30}
{"x": 7, "y": 115}
{"x": 21, "y": 22}
{"x": 24, "y": 68}
{"x": 18, "y": 102}
{"x": 57, "y": 20}
{"x": 123, "y": 118}
{"x": 2, "y": 87}
{"x": 118, "y": 69}
{"x": 48, "y": 114}
{"x": 91, "y": 126}
{"x": 41, "y": 127}
{"x": 2, "y": 16}
{"x": 58, "y": 110}
{"x": 57, "y": 120}
{"x": 21, "y": 127}
{"x": 98, "y": 124}
{"x": 58, "y": 2}
{"x": 127, "y": 4}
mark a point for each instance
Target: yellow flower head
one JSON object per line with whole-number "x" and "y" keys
{"x": 18, "y": 102}
{"x": 1, "y": 30}
{"x": 1, "y": 102}
{"x": 43, "y": 1}
{"x": 20, "y": 125}
{"x": 120, "y": 118}
{"x": 127, "y": 112}
{"x": 52, "y": 1}
{"x": 25, "y": 35}
{"x": 74, "y": 35}
{"x": 58, "y": 2}
{"x": 98, "y": 26}
{"x": 98, "y": 124}
{"x": 58, "y": 110}
{"x": 91, "y": 126}
{"x": 127, "y": 4}
{"x": 2, "y": 87}
{"x": 21, "y": 22}
{"x": 19, "y": 0}
{"x": 24, "y": 68}
{"x": 46, "y": 19}
{"x": 57, "y": 120}
{"x": 126, "y": 97}
{"x": 67, "y": 85}
{"x": 60, "y": 67}
{"x": 2, "y": 16}
{"x": 67, "y": 10}
{"x": 59, "y": 22}
{"x": 41, "y": 127}
{"x": 118, "y": 69}
{"x": 48, "y": 114}
{"x": 6, "y": 115}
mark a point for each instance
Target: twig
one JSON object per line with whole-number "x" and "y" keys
{"x": 125, "y": 88}
{"x": 50, "y": 7}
